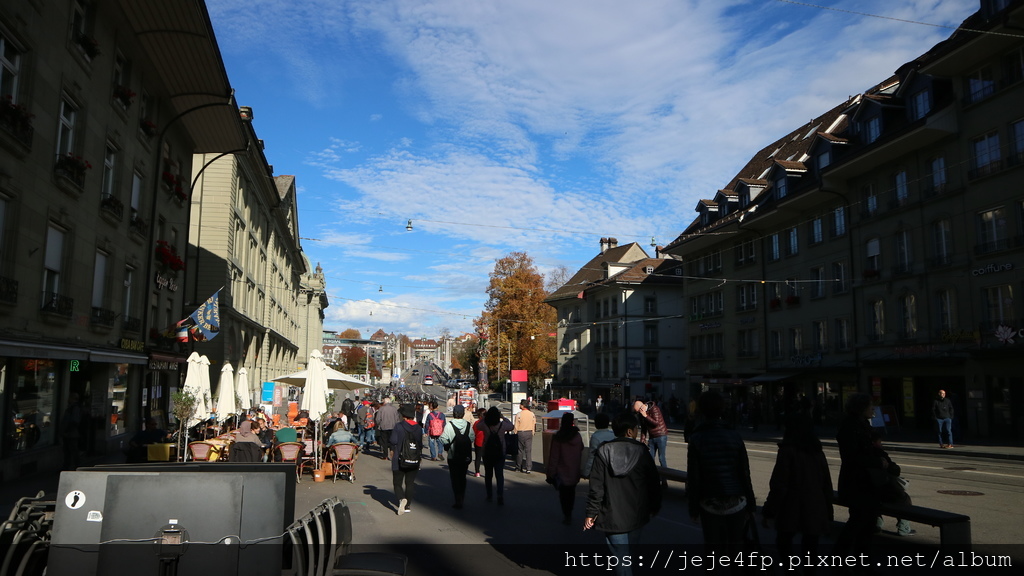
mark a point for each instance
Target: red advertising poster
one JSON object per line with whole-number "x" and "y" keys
{"x": 520, "y": 376}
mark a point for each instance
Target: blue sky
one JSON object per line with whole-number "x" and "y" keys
{"x": 529, "y": 125}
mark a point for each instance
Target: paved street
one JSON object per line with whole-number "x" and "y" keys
{"x": 526, "y": 535}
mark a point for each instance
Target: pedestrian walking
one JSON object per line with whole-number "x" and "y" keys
{"x": 495, "y": 426}
{"x": 624, "y": 494}
{"x": 800, "y": 491}
{"x": 565, "y": 463}
{"x": 386, "y": 419}
{"x": 942, "y": 409}
{"x": 478, "y": 441}
{"x": 407, "y": 444}
{"x": 435, "y": 427}
{"x": 718, "y": 489}
{"x": 525, "y": 423}
{"x": 457, "y": 439}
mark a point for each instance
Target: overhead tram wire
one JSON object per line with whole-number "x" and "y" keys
{"x": 904, "y": 20}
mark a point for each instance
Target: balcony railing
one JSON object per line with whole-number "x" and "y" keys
{"x": 8, "y": 290}
{"x": 102, "y": 317}
{"x": 132, "y": 324}
{"x": 986, "y": 170}
{"x": 16, "y": 124}
{"x": 112, "y": 205}
{"x": 139, "y": 226}
{"x": 991, "y": 246}
{"x": 54, "y": 303}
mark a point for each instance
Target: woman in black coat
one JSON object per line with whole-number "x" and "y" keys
{"x": 856, "y": 487}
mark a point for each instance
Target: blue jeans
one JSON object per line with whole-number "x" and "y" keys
{"x": 436, "y": 447}
{"x": 658, "y": 444}
{"x": 618, "y": 545}
{"x": 946, "y": 423}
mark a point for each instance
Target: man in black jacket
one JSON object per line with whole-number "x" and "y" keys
{"x": 624, "y": 489}
{"x": 718, "y": 487}
{"x": 942, "y": 409}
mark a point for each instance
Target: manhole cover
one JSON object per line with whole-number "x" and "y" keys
{"x": 960, "y": 493}
{"x": 960, "y": 468}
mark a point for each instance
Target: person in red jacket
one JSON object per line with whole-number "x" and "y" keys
{"x": 654, "y": 425}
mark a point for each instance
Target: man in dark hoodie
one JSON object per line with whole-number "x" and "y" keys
{"x": 624, "y": 489}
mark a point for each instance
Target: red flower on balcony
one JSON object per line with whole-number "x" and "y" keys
{"x": 168, "y": 256}
{"x": 147, "y": 127}
{"x": 90, "y": 47}
{"x": 775, "y": 303}
{"x": 792, "y": 300}
{"x": 169, "y": 180}
{"x": 124, "y": 95}
{"x": 15, "y": 115}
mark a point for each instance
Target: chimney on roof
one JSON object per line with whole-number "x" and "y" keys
{"x": 612, "y": 243}
{"x": 604, "y": 245}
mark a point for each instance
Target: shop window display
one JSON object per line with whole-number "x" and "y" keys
{"x": 27, "y": 388}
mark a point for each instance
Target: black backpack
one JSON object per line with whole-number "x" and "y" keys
{"x": 461, "y": 448}
{"x": 493, "y": 451}
{"x": 411, "y": 452}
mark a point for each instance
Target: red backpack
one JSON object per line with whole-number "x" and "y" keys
{"x": 435, "y": 424}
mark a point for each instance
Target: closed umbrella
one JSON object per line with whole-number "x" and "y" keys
{"x": 314, "y": 395}
{"x": 206, "y": 399}
{"x": 242, "y": 387}
{"x": 193, "y": 386}
{"x": 226, "y": 392}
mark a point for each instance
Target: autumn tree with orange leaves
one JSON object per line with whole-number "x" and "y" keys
{"x": 516, "y": 320}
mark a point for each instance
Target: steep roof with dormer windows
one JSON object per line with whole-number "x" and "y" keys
{"x": 594, "y": 271}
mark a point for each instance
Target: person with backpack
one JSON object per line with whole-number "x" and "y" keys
{"x": 495, "y": 427}
{"x": 407, "y": 451}
{"x": 457, "y": 439}
{"x": 369, "y": 435}
{"x": 434, "y": 428}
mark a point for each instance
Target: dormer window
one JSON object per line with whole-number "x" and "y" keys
{"x": 649, "y": 270}
{"x": 823, "y": 159}
{"x": 872, "y": 129}
{"x": 920, "y": 104}
{"x": 780, "y": 187}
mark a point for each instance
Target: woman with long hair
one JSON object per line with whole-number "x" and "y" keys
{"x": 495, "y": 427}
{"x": 564, "y": 463}
{"x": 856, "y": 489}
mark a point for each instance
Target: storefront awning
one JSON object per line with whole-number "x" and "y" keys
{"x": 771, "y": 377}
{"x": 117, "y": 357}
{"x": 24, "y": 350}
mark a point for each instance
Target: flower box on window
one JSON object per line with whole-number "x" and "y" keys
{"x": 792, "y": 300}
{"x": 871, "y": 273}
{"x": 168, "y": 256}
{"x": 16, "y": 119}
{"x": 123, "y": 95}
{"x": 170, "y": 180}
{"x": 89, "y": 46}
{"x": 775, "y": 303}
{"x": 72, "y": 167}
{"x": 147, "y": 127}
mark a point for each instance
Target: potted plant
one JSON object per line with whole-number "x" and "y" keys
{"x": 168, "y": 256}
{"x": 73, "y": 167}
{"x": 15, "y": 116}
{"x": 124, "y": 95}
{"x": 169, "y": 180}
{"x": 147, "y": 127}
{"x": 185, "y": 404}
{"x": 89, "y": 46}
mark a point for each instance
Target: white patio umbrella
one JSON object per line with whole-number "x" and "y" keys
{"x": 226, "y": 392}
{"x": 335, "y": 380}
{"x": 193, "y": 386}
{"x": 206, "y": 399}
{"x": 242, "y": 389}
{"x": 314, "y": 396}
